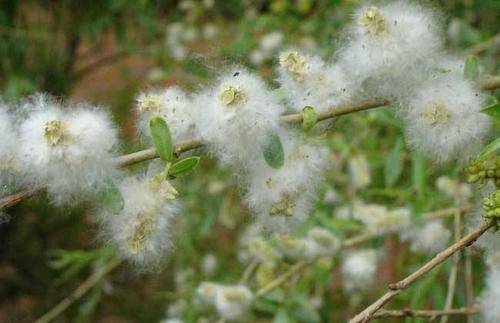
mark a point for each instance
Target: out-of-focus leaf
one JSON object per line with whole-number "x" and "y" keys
{"x": 492, "y": 110}
{"x": 490, "y": 148}
{"x": 282, "y": 317}
{"x": 184, "y": 166}
{"x": 394, "y": 163}
{"x": 111, "y": 198}
{"x": 162, "y": 138}
{"x": 273, "y": 152}
{"x": 471, "y": 68}
{"x": 418, "y": 173}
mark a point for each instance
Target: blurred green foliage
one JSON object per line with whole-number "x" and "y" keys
{"x": 56, "y": 45}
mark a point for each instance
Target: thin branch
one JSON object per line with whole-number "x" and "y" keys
{"x": 483, "y": 46}
{"x": 283, "y": 278}
{"x": 79, "y": 291}
{"x": 469, "y": 284}
{"x": 487, "y": 83}
{"x": 249, "y": 271}
{"x": 101, "y": 62}
{"x": 425, "y": 313}
{"x": 397, "y": 288}
{"x": 452, "y": 279}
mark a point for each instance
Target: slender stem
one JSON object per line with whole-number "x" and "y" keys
{"x": 487, "y": 83}
{"x": 452, "y": 279}
{"x": 469, "y": 284}
{"x": 425, "y": 313}
{"x": 249, "y": 271}
{"x": 79, "y": 291}
{"x": 397, "y": 288}
{"x": 283, "y": 278}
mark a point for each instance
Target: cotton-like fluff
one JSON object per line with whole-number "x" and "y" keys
{"x": 70, "y": 152}
{"x": 460, "y": 192}
{"x": 379, "y": 220}
{"x": 388, "y": 43}
{"x": 489, "y": 300}
{"x": 318, "y": 243}
{"x": 236, "y": 116}
{"x": 142, "y": 230}
{"x": 431, "y": 238}
{"x": 282, "y": 198}
{"x": 8, "y": 148}
{"x": 358, "y": 269}
{"x": 308, "y": 81}
{"x": 442, "y": 118}
{"x": 173, "y": 106}
{"x": 232, "y": 302}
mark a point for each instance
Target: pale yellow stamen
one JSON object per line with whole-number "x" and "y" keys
{"x": 56, "y": 132}
{"x": 294, "y": 63}
{"x": 436, "y": 114}
{"x": 150, "y": 103}
{"x": 231, "y": 95}
{"x": 141, "y": 234}
{"x": 283, "y": 207}
{"x": 373, "y": 21}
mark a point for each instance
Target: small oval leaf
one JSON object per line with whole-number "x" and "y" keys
{"x": 492, "y": 110}
{"x": 162, "y": 138}
{"x": 111, "y": 198}
{"x": 471, "y": 67}
{"x": 490, "y": 148}
{"x": 273, "y": 152}
{"x": 184, "y": 166}
{"x": 309, "y": 118}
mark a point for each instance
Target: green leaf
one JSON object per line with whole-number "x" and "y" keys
{"x": 111, "y": 198}
{"x": 184, "y": 166}
{"x": 282, "y": 317}
{"x": 309, "y": 118}
{"x": 490, "y": 148}
{"x": 394, "y": 163}
{"x": 492, "y": 110}
{"x": 162, "y": 138}
{"x": 418, "y": 173}
{"x": 471, "y": 68}
{"x": 273, "y": 152}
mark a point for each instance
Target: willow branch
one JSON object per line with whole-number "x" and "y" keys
{"x": 487, "y": 83}
{"x": 452, "y": 279}
{"x": 81, "y": 290}
{"x": 395, "y": 289}
{"x": 425, "y": 313}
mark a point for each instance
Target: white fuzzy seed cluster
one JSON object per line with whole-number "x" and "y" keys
{"x": 142, "y": 230}
{"x": 358, "y": 269}
{"x": 173, "y": 106}
{"x": 67, "y": 150}
{"x": 379, "y": 220}
{"x": 231, "y": 302}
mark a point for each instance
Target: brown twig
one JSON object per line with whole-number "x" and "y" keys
{"x": 397, "y": 288}
{"x": 424, "y": 313}
{"x": 79, "y": 291}
{"x": 487, "y": 83}
{"x": 452, "y": 279}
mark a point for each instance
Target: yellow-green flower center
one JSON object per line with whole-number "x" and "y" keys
{"x": 56, "y": 132}
{"x": 373, "y": 21}
{"x": 231, "y": 95}
{"x": 294, "y": 63}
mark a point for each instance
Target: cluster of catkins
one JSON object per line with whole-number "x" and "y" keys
{"x": 394, "y": 52}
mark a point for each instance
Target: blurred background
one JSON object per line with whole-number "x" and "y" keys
{"x": 106, "y": 51}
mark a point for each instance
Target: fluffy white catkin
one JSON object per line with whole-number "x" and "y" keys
{"x": 235, "y": 117}
{"x": 69, "y": 151}
{"x": 282, "y": 198}
{"x": 442, "y": 118}
{"x": 308, "y": 81}
{"x": 358, "y": 269}
{"x": 173, "y": 106}
{"x": 490, "y": 299}
{"x": 142, "y": 230}
{"x": 388, "y": 43}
